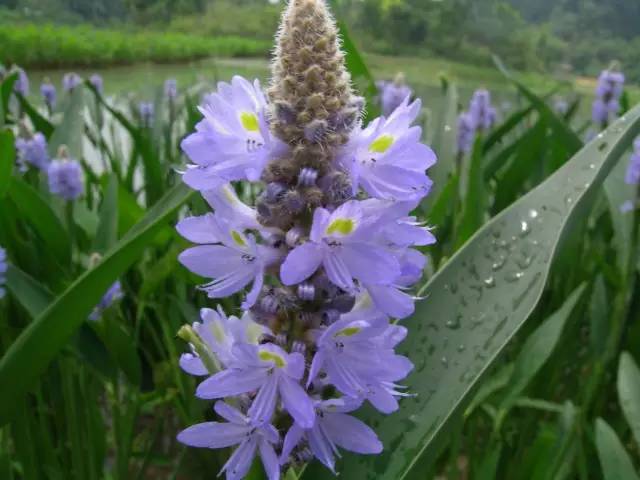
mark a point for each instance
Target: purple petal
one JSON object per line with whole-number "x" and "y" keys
{"x": 392, "y": 301}
{"x": 264, "y": 404}
{"x": 229, "y": 413}
{"x": 211, "y": 261}
{"x": 295, "y": 366}
{"x": 370, "y": 264}
{"x": 269, "y": 460}
{"x": 291, "y": 441}
{"x": 240, "y": 461}
{"x": 213, "y": 435}
{"x": 337, "y": 271}
{"x": 198, "y": 229}
{"x": 297, "y": 402}
{"x": 193, "y": 365}
{"x": 322, "y": 447}
{"x": 351, "y": 434}
{"x": 301, "y": 263}
{"x": 231, "y": 382}
{"x": 382, "y": 400}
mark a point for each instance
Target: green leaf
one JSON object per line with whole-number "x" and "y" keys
{"x": 599, "y": 316}
{"x": 6, "y": 90}
{"x": 496, "y": 136}
{"x": 48, "y": 334}
{"x": 70, "y": 132}
{"x": 475, "y": 201}
{"x": 443, "y": 203}
{"x": 629, "y": 392}
{"x": 538, "y": 348}
{"x": 477, "y": 302}
{"x": 38, "y": 213}
{"x": 614, "y": 459}
{"x": 40, "y": 123}
{"x": 7, "y": 160}
{"x": 33, "y": 296}
{"x": 107, "y": 233}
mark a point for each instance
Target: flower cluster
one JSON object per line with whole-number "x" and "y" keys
{"x": 22, "y": 82}
{"x": 633, "y": 170}
{"x": 480, "y": 116}
{"x": 171, "y": 88}
{"x": 392, "y": 94}
{"x": 32, "y": 150}
{"x": 97, "y": 82}
{"x": 326, "y": 257}
{"x": 146, "y": 112}
{"x": 65, "y": 178}
{"x": 70, "y": 81}
{"x": 607, "y": 102}
{"x": 49, "y": 94}
{"x": 108, "y": 299}
{"x": 3, "y": 271}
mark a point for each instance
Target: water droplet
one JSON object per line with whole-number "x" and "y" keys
{"x": 524, "y": 262}
{"x": 445, "y": 362}
{"x": 499, "y": 263}
{"x": 461, "y": 348}
{"x": 533, "y": 213}
{"x": 454, "y": 323}
{"x": 447, "y": 128}
{"x": 568, "y": 200}
{"x": 489, "y": 282}
{"x": 514, "y": 276}
{"x": 525, "y": 228}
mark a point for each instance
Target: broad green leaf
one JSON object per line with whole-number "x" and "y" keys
{"x": 107, "y": 233}
{"x": 618, "y": 192}
{"x": 496, "y": 137}
{"x": 40, "y": 124}
{"x": 48, "y": 334}
{"x": 6, "y": 90}
{"x": 7, "y": 160}
{"x": 442, "y": 206}
{"x": 70, "y": 131}
{"x": 614, "y": 459}
{"x": 38, "y": 213}
{"x": 477, "y": 302}
{"x": 629, "y": 392}
{"x": 538, "y": 348}
{"x": 599, "y": 309}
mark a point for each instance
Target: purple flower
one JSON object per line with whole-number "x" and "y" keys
{"x": 233, "y": 141}
{"x": 33, "y": 151}
{"x": 3, "y": 270}
{"x": 560, "y": 106}
{"x": 483, "y": 114}
{"x": 70, "y": 81}
{"x": 387, "y": 159}
{"x": 333, "y": 428}
{"x": 65, "y": 178}
{"x": 216, "y": 336}
{"x": 393, "y": 94}
{"x": 343, "y": 242}
{"x": 359, "y": 359}
{"x": 146, "y": 111}
{"x": 609, "y": 90}
{"x": 273, "y": 373}
{"x": 108, "y": 299}
{"x": 633, "y": 170}
{"x": 22, "y": 82}
{"x": 225, "y": 254}
{"x": 171, "y": 88}
{"x": 48, "y": 92}
{"x": 97, "y": 82}
{"x": 241, "y": 431}
{"x": 466, "y": 132}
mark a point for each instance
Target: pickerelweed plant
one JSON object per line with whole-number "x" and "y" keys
{"x": 326, "y": 254}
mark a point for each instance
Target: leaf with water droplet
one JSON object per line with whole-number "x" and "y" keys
{"x": 454, "y": 387}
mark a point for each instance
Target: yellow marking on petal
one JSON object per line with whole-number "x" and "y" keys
{"x": 218, "y": 332}
{"x": 267, "y": 356}
{"x": 348, "y": 332}
{"x": 382, "y": 144}
{"x": 343, "y": 226}
{"x": 238, "y": 238}
{"x": 250, "y": 121}
{"x": 229, "y": 194}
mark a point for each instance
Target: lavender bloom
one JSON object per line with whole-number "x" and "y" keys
{"x": 97, "y": 82}
{"x": 633, "y": 170}
{"x": 232, "y": 142}
{"x": 70, "y": 81}
{"x": 146, "y": 111}
{"x": 387, "y": 159}
{"x": 483, "y": 114}
{"x": 333, "y": 428}
{"x": 171, "y": 89}
{"x": 108, "y": 299}
{"x": 560, "y": 106}
{"x": 393, "y": 94}
{"x": 3, "y": 270}
{"x": 49, "y": 94}
{"x": 607, "y": 102}
{"x": 65, "y": 178}
{"x": 22, "y": 82}
{"x": 240, "y": 431}
{"x": 466, "y": 133}
{"x": 327, "y": 253}
{"x": 33, "y": 151}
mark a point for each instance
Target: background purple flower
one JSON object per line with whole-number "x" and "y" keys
{"x": 65, "y": 179}
{"x": 392, "y": 94}
{"x": 609, "y": 90}
{"x": 33, "y": 151}
{"x": 3, "y": 271}
{"x": 97, "y": 82}
{"x": 146, "y": 111}
{"x": 70, "y": 81}
{"x": 171, "y": 88}
{"x": 49, "y": 94}
{"x": 633, "y": 170}
{"x": 22, "y": 82}
{"x": 108, "y": 299}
